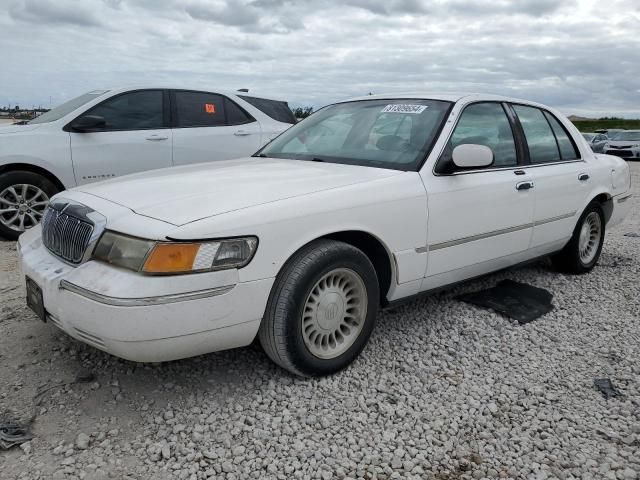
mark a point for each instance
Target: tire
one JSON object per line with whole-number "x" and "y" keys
{"x": 38, "y": 189}
{"x": 304, "y": 308}
{"x": 570, "y": 259}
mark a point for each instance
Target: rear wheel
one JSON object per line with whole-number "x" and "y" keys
{"x": 23, "y": 198}
{"x": 583, "y": 250}
{"x": 322, "y": 309}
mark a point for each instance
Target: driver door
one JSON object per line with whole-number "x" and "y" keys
{"x": 135, "y": 137}
{"x": 477, "y": 216}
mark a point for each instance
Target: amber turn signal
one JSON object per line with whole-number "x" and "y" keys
{"x": 171, "y": 258}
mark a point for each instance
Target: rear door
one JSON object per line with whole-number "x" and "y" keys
{"x": 136, "y": 137}
{"x": 209, "y": 127}
{"x": 561, "y": 178}
{"x": 480, "y": 215}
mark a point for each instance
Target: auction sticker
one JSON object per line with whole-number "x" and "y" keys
{"x": 404, "y": 108}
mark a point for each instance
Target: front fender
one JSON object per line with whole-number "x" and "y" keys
{"x": 393, "y": 210}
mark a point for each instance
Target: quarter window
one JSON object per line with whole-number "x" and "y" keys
{"x": 274, "y": 109}
{"x": 140, "y": 110}
{"x": 483, "y": 124}
{"x": 540, "y": 137}
{"x": 567, "y": 148}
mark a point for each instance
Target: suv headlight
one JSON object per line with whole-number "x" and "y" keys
{"x": 166, "y": 258}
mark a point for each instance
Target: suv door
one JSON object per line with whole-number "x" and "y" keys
{"x": 135, "y": 137}
{"x": 209, "y": 127}
{"x": 480, "y": 215}
{"x": 561, "y": 177}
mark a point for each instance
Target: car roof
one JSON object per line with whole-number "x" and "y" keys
{"x": 446, "y": 96}
{"x": 200, "y": 88}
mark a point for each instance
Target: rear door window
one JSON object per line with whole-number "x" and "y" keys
{"x": 235, "y": 114}
{"x": 568, "y": 150}
{"x": 274, "y": 109}
{"x": 204, "y": 109}
{"x": 540, "y": 137}
{"x": 199, "y": 109}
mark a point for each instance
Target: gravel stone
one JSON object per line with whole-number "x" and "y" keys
{"x": 82, "y": 441}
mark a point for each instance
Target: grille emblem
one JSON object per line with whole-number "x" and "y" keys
{"x": 68, "y": 230}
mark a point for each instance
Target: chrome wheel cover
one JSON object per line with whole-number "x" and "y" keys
{"x": 589, "y": 240}
{"x": 334, "y": 313}
{"x": 22, "y": 206}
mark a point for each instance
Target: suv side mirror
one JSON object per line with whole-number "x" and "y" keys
{"x": 87, "y": 123}
{"x": 471, "y": 155}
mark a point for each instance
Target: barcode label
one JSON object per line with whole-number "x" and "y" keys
{"x": 404, "y": 108}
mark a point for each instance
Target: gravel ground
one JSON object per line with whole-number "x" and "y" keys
{"x": 443, "y": 391}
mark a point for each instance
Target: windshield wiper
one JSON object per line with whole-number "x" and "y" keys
{"x": 261, "y": 155}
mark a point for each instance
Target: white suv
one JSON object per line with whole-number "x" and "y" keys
{"x": 108, "y": 133}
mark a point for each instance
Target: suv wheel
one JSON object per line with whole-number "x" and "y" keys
{"x": 23, "y": 198}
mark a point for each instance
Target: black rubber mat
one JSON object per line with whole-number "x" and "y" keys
{"x": 12, "y": 434}
{"x": 605, "y": 387}
{"x": 519, "y": 301}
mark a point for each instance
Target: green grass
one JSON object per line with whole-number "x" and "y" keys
{"x": 606, "y": 123}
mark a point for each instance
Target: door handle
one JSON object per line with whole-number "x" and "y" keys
{"x": 156, "y": 138}
{"x": 241, "y": 133}
{"x": 583, "y": 177}
{"x": 524, "y": 185}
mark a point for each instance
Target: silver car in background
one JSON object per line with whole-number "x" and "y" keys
{"x": 596, "y": 141}
{"x": 625, "y": 144}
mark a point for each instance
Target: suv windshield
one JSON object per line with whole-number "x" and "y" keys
{"x": 67, "y": 107}
{"x": 627, "y": 136}
{"x": 395, "y": 134}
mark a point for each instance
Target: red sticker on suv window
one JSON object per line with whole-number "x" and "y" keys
{"x": 210, "y": 108}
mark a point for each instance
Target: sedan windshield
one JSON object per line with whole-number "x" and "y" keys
{"x": 628, "y": 136}
{"x": 67, "y": 107}
{"x": 395, "y": 134}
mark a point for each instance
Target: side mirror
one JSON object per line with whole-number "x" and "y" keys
{"x": 471, "y": 155}
{"x": 87, "y": 123}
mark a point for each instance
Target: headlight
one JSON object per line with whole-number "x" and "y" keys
{"x": 152, "y": 257}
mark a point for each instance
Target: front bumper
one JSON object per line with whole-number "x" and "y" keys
{"x": 627, "y": 153}
{"x": 142, "y": 318}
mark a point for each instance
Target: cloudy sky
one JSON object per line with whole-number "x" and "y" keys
{"x": 582, "y": 56}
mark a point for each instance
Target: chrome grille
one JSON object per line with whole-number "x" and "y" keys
{"x": 65, "y": 235}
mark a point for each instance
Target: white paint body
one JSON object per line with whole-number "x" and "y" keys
{"x": 74, "y": 158}
{"x": 424, "y": 221}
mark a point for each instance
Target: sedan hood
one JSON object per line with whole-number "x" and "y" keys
{"x": 182, "y": 195}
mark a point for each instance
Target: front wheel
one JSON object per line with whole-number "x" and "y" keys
{"x": 583, "y": 250}
{"x": 23, "y": 198}
{"x": 321, "y": 310}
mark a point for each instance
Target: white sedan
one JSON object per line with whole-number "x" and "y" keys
{"x": 365, "y": 203}
{"x": 109, "y": 133}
